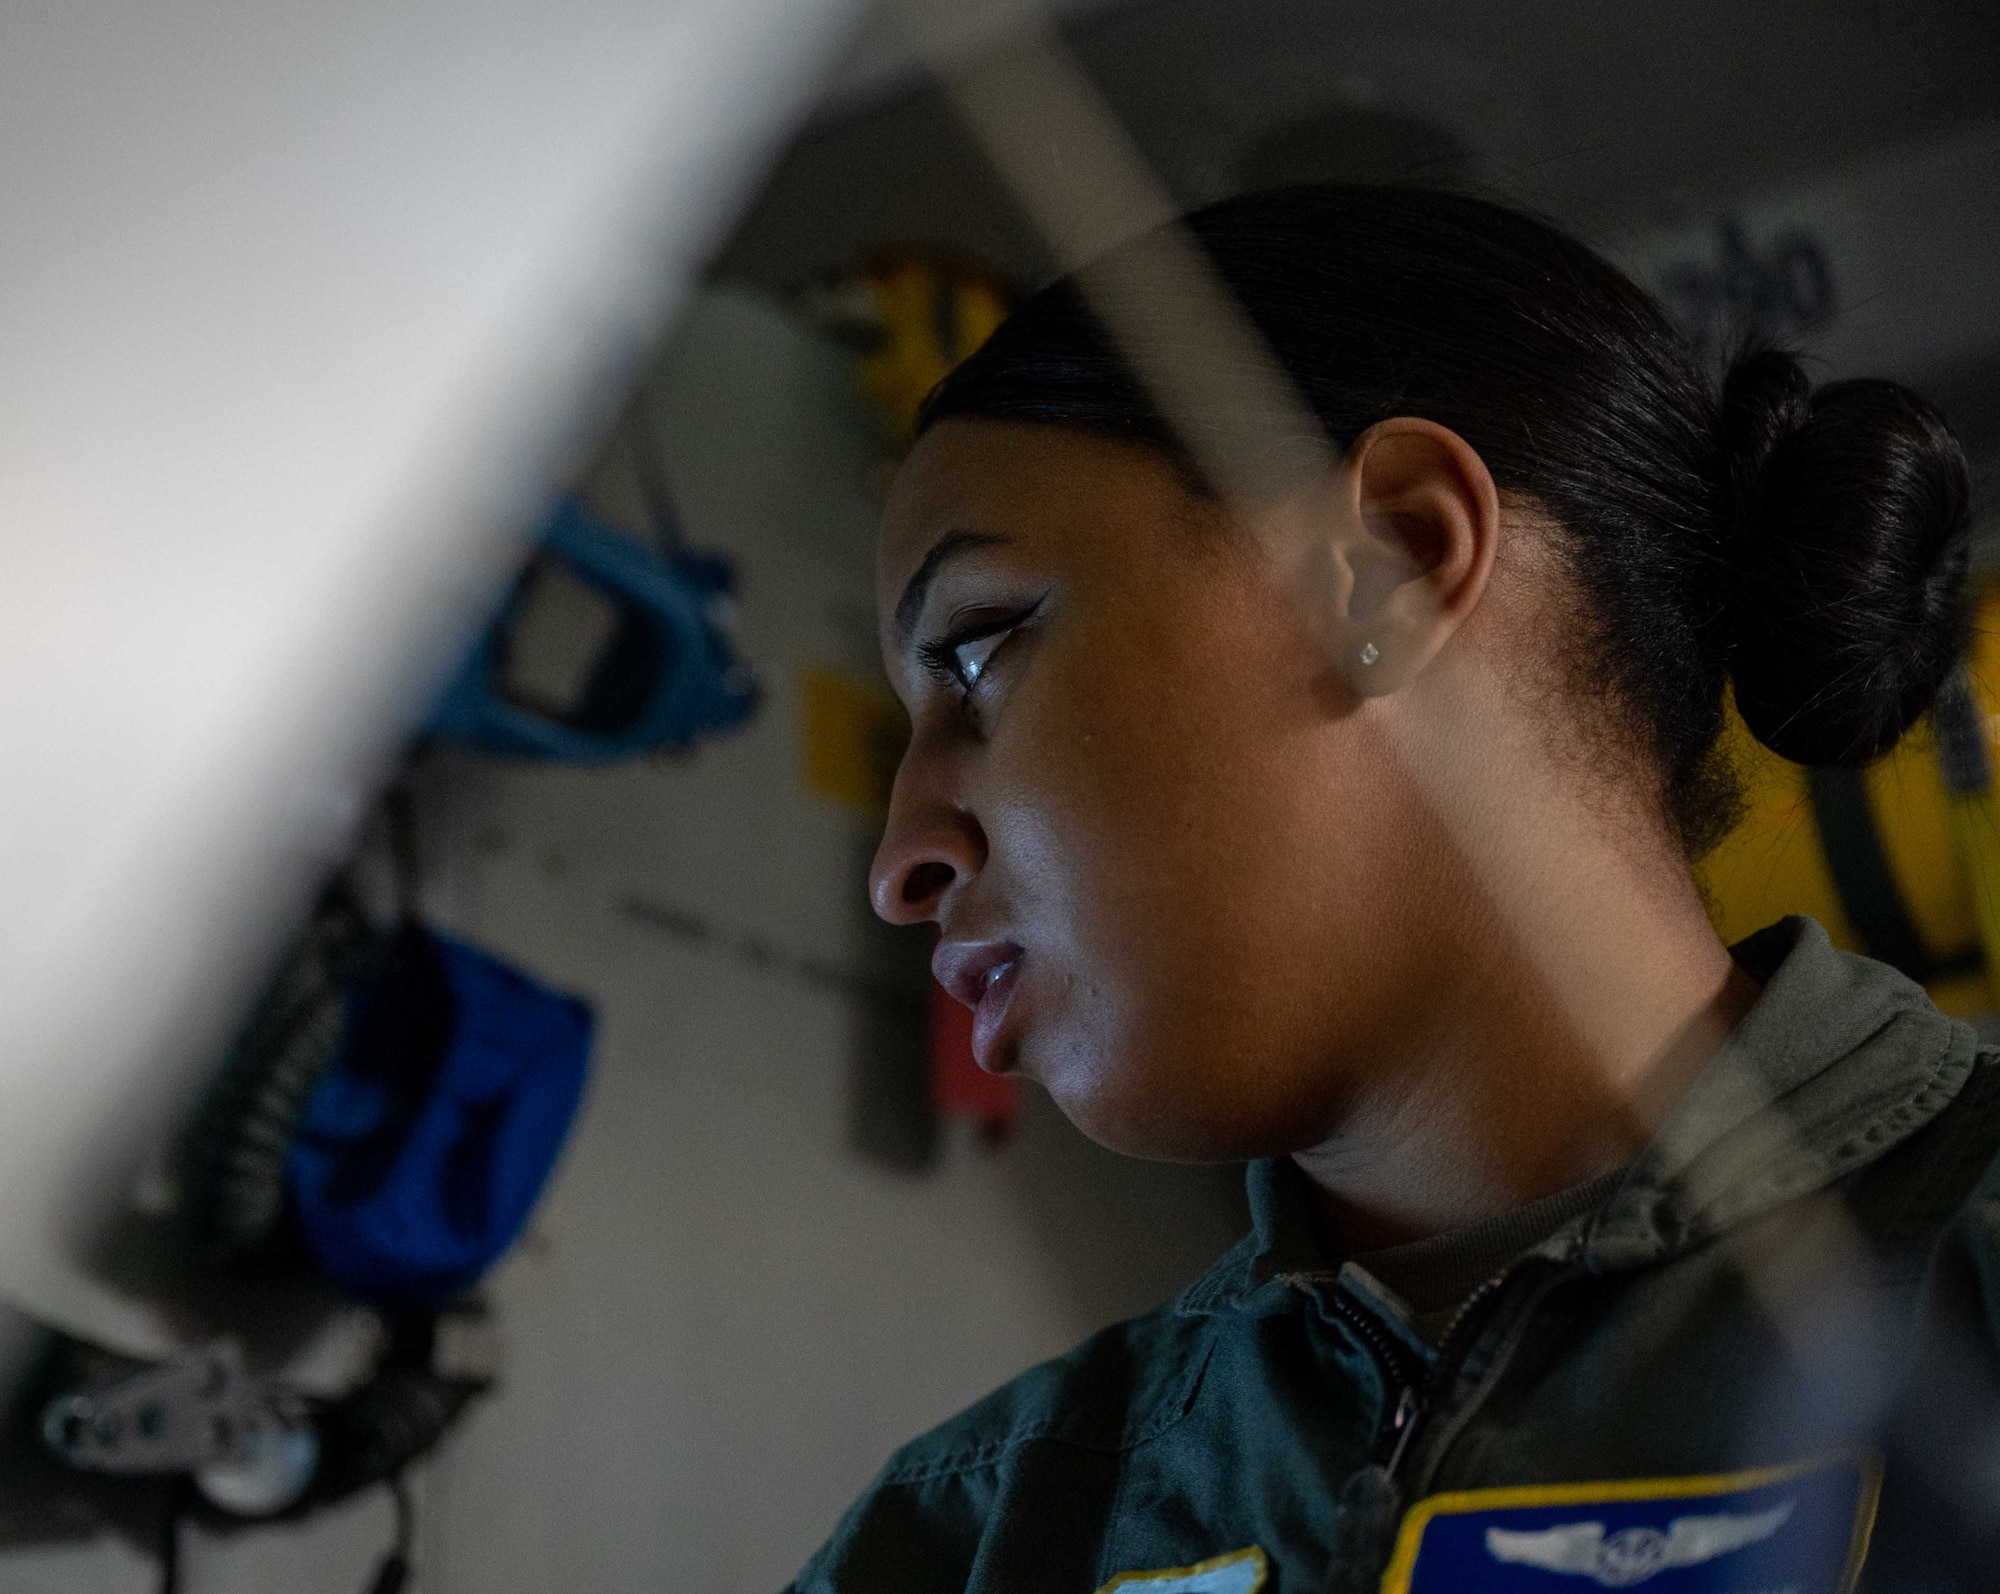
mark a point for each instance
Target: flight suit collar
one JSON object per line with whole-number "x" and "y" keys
{"x": 1254, "y": 1276}
{"x": 1840, "y": 1059}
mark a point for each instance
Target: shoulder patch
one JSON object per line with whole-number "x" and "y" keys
{"x": 1240, "y": 1572}
{"x": 1802, "y": 1529}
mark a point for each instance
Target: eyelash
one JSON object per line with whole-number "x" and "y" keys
{"x": 940, "y": 657}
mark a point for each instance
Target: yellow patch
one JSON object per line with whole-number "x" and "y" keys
{"x": 851, "y": 736}
{"x": 1240, "y": 1572}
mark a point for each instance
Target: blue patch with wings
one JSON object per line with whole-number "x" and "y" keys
{"x": 1800, "y": 1529}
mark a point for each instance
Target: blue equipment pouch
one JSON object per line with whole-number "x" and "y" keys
{"x": 425, "y": 1145}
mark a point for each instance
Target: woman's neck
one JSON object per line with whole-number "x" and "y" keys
{"x": 1571, "y": 989}
{"x": 1514, "y": 1111}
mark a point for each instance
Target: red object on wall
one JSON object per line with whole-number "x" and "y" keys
{"x": 959, "y": 1087}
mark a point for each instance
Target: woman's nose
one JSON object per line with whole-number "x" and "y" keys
{"x": 929, "y": 850}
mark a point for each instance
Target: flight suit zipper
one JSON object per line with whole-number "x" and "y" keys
{"x": 1472, "y": 1319}
{"x": 1419, "y": 1404}
{"x": 1420, "y": 1392}
{"x": 1414, "y": 1387}
{"x": 1414, "y": 1400}
{"x": 1409, "y": 1406}
{"x": 1368, "y": 1498}
{"x": 1406, "y": 1375}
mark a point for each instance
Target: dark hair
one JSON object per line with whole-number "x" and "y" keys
{"x": 1808, "y": 546}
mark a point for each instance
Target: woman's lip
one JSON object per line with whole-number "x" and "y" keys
{"x": 991, "y": 1013}
{"x": 964, "y": 967}
{"x": 982, "y": 975}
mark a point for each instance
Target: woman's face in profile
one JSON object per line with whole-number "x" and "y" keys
{"x": 1171, "y": 870}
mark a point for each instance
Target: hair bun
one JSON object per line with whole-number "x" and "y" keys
{"x": 1849, "y": 547}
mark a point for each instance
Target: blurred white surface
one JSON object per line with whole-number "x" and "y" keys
{"x": 724, "y": 1316}
{"x": 300, "y": 309}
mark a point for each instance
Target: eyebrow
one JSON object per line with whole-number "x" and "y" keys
{"x": 947, "y": 548}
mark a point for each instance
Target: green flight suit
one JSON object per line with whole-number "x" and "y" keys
{"x": 1804, "y": 1262}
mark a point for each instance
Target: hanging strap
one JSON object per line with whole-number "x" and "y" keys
{"x": 1966, "y": 765}
{"x": 1865, "y": 883}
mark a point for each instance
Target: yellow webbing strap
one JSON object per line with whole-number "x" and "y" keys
{"x": 1966, "y": 763}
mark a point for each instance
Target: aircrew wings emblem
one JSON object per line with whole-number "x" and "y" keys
{"x": 1634, "y": 1554}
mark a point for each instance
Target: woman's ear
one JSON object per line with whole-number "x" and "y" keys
{"x": 1415, "y": 545}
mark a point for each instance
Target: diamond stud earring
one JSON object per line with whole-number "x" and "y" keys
{"x": 1370, "y": 653}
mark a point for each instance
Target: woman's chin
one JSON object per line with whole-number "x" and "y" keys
{"x": 1131, "y": 1117}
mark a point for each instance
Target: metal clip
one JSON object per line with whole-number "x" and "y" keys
{"x": 250, "y": 1444}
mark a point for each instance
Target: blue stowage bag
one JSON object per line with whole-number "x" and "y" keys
{"x": 424, "y": 1147}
